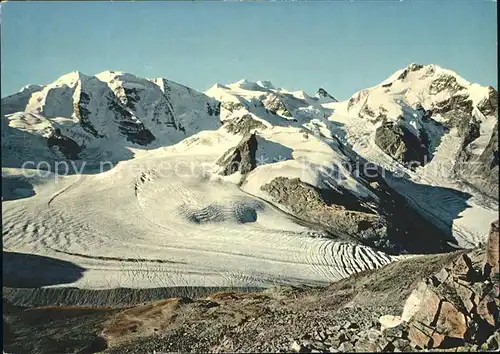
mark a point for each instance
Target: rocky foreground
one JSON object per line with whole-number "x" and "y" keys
{"x": 444, "y": 302}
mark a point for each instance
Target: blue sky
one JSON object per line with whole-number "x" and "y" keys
{"x": 341, "y": 46}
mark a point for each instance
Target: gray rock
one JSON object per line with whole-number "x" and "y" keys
{"x": 399, "y": 331}
{"x": 480, "y": 170}
{"x": 402, "y": 345}
{"x": 366, "y": 345}
{"x": 333, "y": 329}
{"x": 231, "y": 106}
{"x": 243, "y": 125}
{"x": 339, "y": 338}
{"x": 67, "y": 146}
{"x": 309, "y": 203}
{"x": 346, "y": 347}
{"x": 275, "y": 105}
{"x": 129, "y": 126}
{"x": 399, "y": 143}
{"x": 322, "y": 93}
{"x": 410, "y": 68}
{"x": 240, "y": 158}
{"x": 489, "y": 105}
{"x": 351, "y": 325}
{"x": 454, "y": 110}
{"x": 445, "y": 82}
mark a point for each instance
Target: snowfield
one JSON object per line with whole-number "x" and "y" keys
{"x": 161, "y": 227}
{"x": 161, "y": 213}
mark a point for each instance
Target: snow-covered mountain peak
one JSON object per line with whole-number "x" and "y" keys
{"x": 417, "y": 85}
{"x": 115, "y": 79}
{"x": 109, "y": 75}
{"x": 324, "y": 96}
{"x": 266, "y": 84}
{"x": 419, "y": 106}
{"x": 242, "y": 82}
{"x": 69, "y": 79}
{"x": 414, "y": 73}
{"x": 247, "y": 85}
{"x": 31, "y": 88}
{"x": 218, "y": 86}
{"x": 100, "y": 114}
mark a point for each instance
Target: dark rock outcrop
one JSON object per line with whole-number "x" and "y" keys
{"x": 67, "y": 146}
{"x": 243, "y": 125}
{"x": 489, "y": 105}
{"x": 357, "y": 98}
{"x": 83, "y": 114}
{"x": 445, "y": 82}
{"x": 163, "y": 108}
{"x": 213, "y": 111}
{"x": 341, "y": 213}
{"x": 128, "y": 125}
{"x": 410, "y": 68}
{"x": 130, "y": 96}
{"x": 399, "y": 143}
{"x": 240, "y": 158}
{"x": 231, "y": 106}
{"x": 322, "y": 94}
{"x": 469, "y": 130}
{"x": 456, "y": 110}
{"x": 275, "y": 105}
{"x": 392, "y": 226}
{"x": 478, "y": 170}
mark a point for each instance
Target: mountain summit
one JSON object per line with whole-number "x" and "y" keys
{"x": 324, "y": 96}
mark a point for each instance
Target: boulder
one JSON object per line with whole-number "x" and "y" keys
{"x": 370, "y": 341}
{"x": 493, "y": 342}
{"x": 436, "y": 320}
{"x": 346, "y": 347}
{"x": 459, "y": 304}
{"x": 451, "y": 322}
{"x": 401, "y": 345}
{"x": 389, "y": 321}
{"x": 487, "y": 309}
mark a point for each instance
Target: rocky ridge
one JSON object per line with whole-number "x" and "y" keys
{"x": 101, "y": 114}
